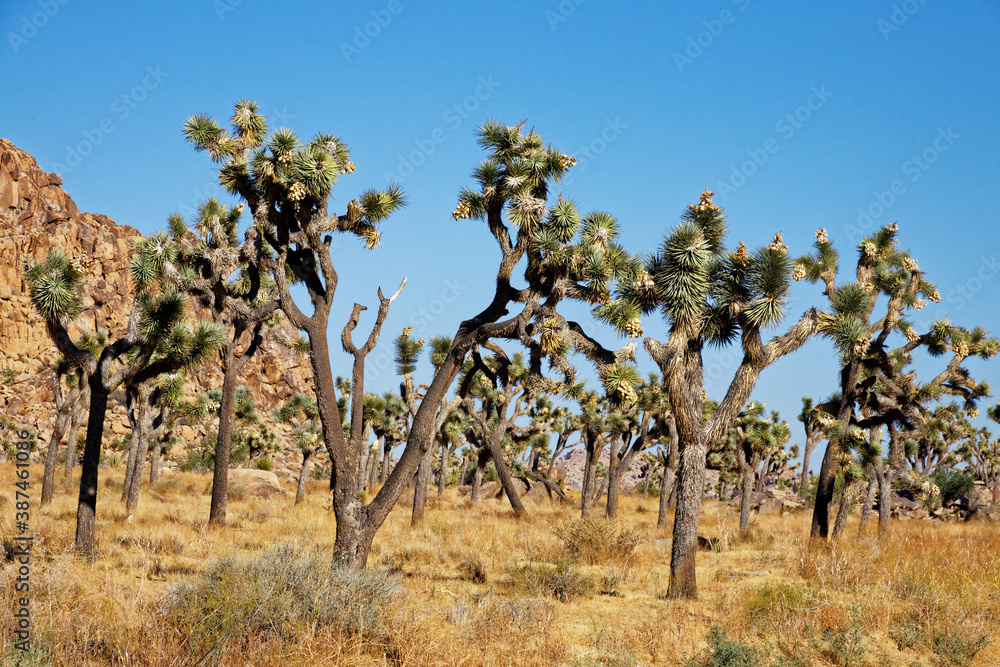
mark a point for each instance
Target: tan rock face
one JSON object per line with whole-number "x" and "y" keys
{"x": 36, "y": 214}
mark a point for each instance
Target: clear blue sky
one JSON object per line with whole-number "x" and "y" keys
{"x": 837, "y": 103}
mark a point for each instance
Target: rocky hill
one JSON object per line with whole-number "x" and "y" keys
{"x": 36, "y": 214}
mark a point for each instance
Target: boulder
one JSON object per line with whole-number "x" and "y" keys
{"x": 537, "y": 492}
{"x": 767, "y": 506}
{"x": 486, "y": 490}
{"x": 258, "y": 483}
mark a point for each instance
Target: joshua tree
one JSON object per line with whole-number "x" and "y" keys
{"x": 708, "y": 295}
{"x": 815, "y": 422}
{"x": 156, "y": 324}
{"x": 69, "y": 404}
{"x": 873, "y": 380}
{"x": 300, "y": 411}
{"x": 644, "y": 428}
{"x": 981, "y": 452}
{"x": 452, "y": 436}
{"x": 754, "y": 442}
{"x": 153, "y": 403}
{"x": 286, "y": 186}
{"x": 407, "y": 351}
{"x": 500, "y": 385}
{"x": 229, "y": 281}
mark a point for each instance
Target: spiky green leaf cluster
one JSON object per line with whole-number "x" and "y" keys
{"x": 407, "y": 352}
{"x": 53, "y": 284}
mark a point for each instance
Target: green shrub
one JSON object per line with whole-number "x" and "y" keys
{"x": 596, "y": 539}
{"x": 952, "y": 484}
{"x": 276, "y": 592}
{"x": 957, "y": 651}
{"x": 723, "y": 652}
{"x": 263, "y": 463}
{"x": 773, "y": 598}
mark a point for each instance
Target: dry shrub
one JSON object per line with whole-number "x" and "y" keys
{"x": 562, "y": 580}
{"x": 473, "y": 570}
{"x": 276, "y": 593}
{"x": 508, "y": 631}
{"x": 596, "y": 539}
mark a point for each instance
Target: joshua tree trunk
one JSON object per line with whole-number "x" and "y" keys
{"x": 86, "y": 512}
{"x": 506, "y": 481}
{"x": 142, "y": 435}
{"x": 300, "y": 489}
{"x": 420, "y": 490}
{"x": 810, "y": 445}
{"x": 666, "y": 493}
{"x": 220, "y": 474}
{"x": 613, "y": 471}
{"x": 443, "y": 469}
{"x": 132, "y": 454}
{"x": 386, "y": 455}
{"x": 74, "y": 428}
{"x": 594, "y": 444}
{"x": 48, "y": 477}
{"x": 685, "y": 540}
{"x": 373, "y": 471}
{"x": 828, "y": 470}
{"x": 884, "y": 473}
{"x": 747, "y": 459}
{"x": 846, "y": 503}
{"x": 668, "y": 485}
{"x": 154, "y": 463}
{"x": 866, "y": 511}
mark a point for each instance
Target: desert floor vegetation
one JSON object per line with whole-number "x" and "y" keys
{"x": 472, "y": 585}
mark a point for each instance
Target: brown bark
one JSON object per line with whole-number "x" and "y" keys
{"x": 828, "y": 470}
{"x": 443, "y": 469}
{"x": 506, "y": 481}
{"x": 86, "y": 514}
{"x": 223, "y": 443}
{"x": 300, "y": 489}
{"x": 747, "y": 460}
{"x": 420, "y": 488}
{"x": 68, "y": 407}
{"x": 72, "y": 446}
{"x": 866, "y": 511}
{"x": 154, "y": 463}
{"x": 668, "y": 485}
{"x": 614, "y": 465}
{"x": 844, "y": 509}
{"x": 594, "y": 444}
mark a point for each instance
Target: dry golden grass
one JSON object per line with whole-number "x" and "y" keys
{"x": 482, "y": 588}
